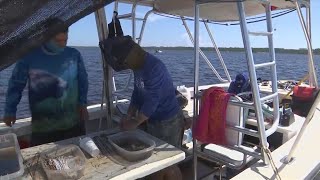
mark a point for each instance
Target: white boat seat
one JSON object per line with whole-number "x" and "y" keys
{"x": 222, "y": 154}
{"x": 225, "y": 154}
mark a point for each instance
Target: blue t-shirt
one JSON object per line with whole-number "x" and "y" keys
{"x": 57, "y": 85}
{"x": 154, "y": 93}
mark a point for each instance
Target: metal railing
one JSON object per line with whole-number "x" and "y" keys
{"x": 313, "y": 79}
{"x": 144, "y": 20}
{"x": 307, "y": 32}
{"x": 262, "y": 133}
{"x": 133, "y": 18}
{"x": 205, "y": 57}
{"x": 196, "y": 85}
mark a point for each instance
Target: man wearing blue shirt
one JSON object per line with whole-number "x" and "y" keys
{"x": 153, "y": 99}
{"x": 57, "y": 85}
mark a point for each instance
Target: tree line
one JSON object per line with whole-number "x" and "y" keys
{"x": 235, "y": 49}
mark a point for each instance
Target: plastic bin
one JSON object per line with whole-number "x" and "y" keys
{"x": 72, "y": 167}
{"x": 11, "y": 164}
{"x": 132, "y": 139}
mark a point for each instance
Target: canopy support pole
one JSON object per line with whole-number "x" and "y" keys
{"x": 102, "y": 28}
{"x": 303, "y": 128}
{"x": 308, "y": 24}
{"x": 116, "y": 6}
{"x": 138, "y": 40}
{"x": 204, "y": 56}
{"x": 312, "y": 75}
{"x": 196, "y": 84}
{"x": 133, "y": 16}
{"x": 307, "y": 32}
{"x": 218, "y": 52}
{"x": 143, "y": 25}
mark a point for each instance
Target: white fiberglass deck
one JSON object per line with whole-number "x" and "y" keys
{"x": 307, "y": 157}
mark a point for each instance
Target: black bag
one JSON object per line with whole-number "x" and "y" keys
{"x": 114, "y": 26}
{"x": 287, "y": 116}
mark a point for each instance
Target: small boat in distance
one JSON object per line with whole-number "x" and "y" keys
{"x": 158, "y": 51}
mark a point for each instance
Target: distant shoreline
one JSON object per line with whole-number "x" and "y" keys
{"x": 278, "y": 50}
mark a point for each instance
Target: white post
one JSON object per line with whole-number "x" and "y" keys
{"x": 196, "y": 84}
{"x": 143, "y": 25}
{"x": 203, "y": 55}
{"x": 116, "y": 5}
{"x": 102, "y": 28}
{"x": 133, "y": 16}
{"x": 311, "y": 80}
{"x": 218, "y": 52}
{"x": 303, "y": 128}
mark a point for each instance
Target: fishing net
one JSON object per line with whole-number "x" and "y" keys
{"x": 26, "y": 24}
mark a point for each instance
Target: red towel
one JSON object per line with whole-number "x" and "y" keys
{"x": 211, "y": 123}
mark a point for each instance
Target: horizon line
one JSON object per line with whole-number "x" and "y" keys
{"x": 200, "y": 47}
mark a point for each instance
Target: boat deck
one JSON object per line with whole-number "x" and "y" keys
{"x": 306, "y": 162}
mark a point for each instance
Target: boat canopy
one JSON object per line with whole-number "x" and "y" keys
{"x": 25, "y": 25}
{"x": 215, "y": 10}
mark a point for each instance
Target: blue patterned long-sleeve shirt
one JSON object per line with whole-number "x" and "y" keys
{"x": 57, "y": 85}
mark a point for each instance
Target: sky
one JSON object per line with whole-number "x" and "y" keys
{"x": 162, "y": 31}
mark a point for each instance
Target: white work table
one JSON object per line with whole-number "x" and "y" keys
{"x": 105, "y": 167}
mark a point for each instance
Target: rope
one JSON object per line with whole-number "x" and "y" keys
{"x": 274, "y": 14}
{"x": 265, "y": 18}
{"x": 274, "y": 167}
{"x": 114, "y": 22}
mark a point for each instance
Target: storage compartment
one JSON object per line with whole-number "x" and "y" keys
{"x": 11, "y": 164}
{"x": 132, "y": 146}
{"x": 63, "y": 162}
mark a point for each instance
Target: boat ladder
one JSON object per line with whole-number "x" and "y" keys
{"x": 258, "y": 100}
{"x": 262, "y": 151}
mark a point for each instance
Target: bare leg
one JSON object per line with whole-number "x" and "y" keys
{"x": 173, "y": 173}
